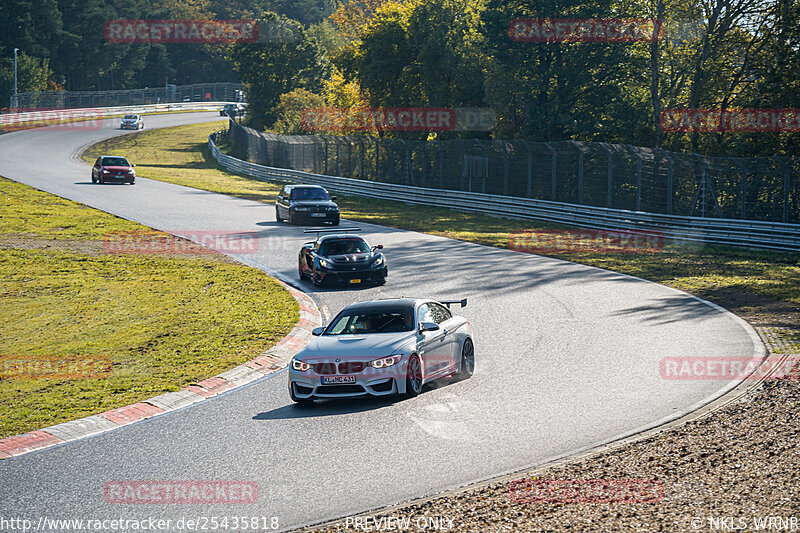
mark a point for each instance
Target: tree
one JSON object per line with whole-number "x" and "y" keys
{"x": 290, "y": 110}
{"x": 271, "y": 69}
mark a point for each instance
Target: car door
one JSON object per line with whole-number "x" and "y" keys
{"x": 431, "y": 345}
{"x": 282, "y": 202}
{"x": 96, "y": 168}
{"x": 448, "y": 325}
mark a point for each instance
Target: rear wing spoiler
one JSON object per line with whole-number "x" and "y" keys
{"x": 337, "y": 230}
{"x": 448, "y": 303}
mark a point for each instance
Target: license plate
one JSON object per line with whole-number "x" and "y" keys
{"x": 355, "y": 281}
{"x": 337, "y": 380}
{"x": 317, "y": 214}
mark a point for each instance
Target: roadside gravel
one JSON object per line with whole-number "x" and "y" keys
{"x": 723, "y": 472}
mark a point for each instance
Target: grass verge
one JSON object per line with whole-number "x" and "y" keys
{"x": 763, "y": 287}
{"x": 163, "y": 321}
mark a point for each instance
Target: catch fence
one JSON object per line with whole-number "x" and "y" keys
{"x": 592, "y": 174}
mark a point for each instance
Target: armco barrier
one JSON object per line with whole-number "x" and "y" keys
{"x": 753, "y": 234}
{"x": 99, "y": 112}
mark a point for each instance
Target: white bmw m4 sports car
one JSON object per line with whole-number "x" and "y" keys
{"x": 383, "y": 348}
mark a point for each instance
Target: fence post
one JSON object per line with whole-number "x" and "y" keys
{"x": 580, "y": 171}
{"x": 638, "y": 177}
{"x": 787, "y": 178}
{"x": 441, "y": 164}
{"x": 530, "y": 167}
{"x": 669, "y": 182}
{"x": 745, "y": 172}
{"x": 610, "y": 191}
{"x": 505, "y": 169}
{"x": 553, "y": 172}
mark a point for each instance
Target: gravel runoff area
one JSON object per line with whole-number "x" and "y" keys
{"x": 735, "y": 469}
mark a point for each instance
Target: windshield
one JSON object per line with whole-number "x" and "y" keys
{"x": 372, "y": 321}
{"x": 309, "y": 194}
{"x": 115, "y": 162}
{"x": 343, "y": 247}
{"x": 130, "y": 117}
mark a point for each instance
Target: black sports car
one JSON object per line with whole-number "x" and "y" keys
{"x": 341, "y": 258}
{"x": 306, "y": 204}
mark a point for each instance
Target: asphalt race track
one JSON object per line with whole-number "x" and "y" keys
{"x": 567, "y": 356}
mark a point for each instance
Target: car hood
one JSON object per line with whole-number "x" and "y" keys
{"x": 354, "y": 347}
{"x": 313, "y": 203}
{"x": 349, "y": 258}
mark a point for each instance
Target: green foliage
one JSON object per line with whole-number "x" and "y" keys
{"x": 290, "y": 108}
{"x": 271, "y": 69}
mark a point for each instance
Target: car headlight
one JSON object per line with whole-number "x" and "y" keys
{"x": 378, "y": 262}
{"x": 105, "y": 171}
{"x": 300, "y": 365}
{"x": 333, "y": 208}
{"x": 324, "y": 264}
{"x": 386, "y": 361}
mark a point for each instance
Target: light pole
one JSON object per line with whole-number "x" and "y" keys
{"x": 16, "y": 101}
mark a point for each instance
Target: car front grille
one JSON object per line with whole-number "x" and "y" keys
{"x": 324, "y": 368}
{"x": 340, "y": 389}
{"x": 352, "y": 367}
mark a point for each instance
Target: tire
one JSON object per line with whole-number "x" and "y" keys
{"x": 335, "y": 221}
{"x": 291, "y": 219}
{"x": 278, "y": 214}
{"x": 131, "y": 182}
{"x": 314, "y": 277}
{"x": 467, "y": 360}
{"x": 100, "y": 179}
{"x": 413, "y": 377}
{"x": 94, "y": 180}
{"x": 301, "y": 274}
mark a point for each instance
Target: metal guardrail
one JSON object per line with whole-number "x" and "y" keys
{"x": 100, "y": 112}
{"x": 753, "y": 234}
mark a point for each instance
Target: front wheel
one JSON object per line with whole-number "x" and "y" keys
{"x": 467, "y": 360}
{"x": 413, "y": 377}
{"x": 94, "y": 180}
{"x": 300, "y": 271}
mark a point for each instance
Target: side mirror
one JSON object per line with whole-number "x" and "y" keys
{"x": 133, "y": 165}
{"x": 333, "y": 198}
{"x": 317, "y": 331}
{"x": 428, "y": 326}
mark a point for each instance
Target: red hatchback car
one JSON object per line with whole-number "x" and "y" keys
{"x": 113, "y": 168}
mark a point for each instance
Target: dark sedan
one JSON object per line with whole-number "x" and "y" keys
{"x": 112, "y": 168}
{"x": 306, "y": 204}
{"x": 342, "y": 258}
